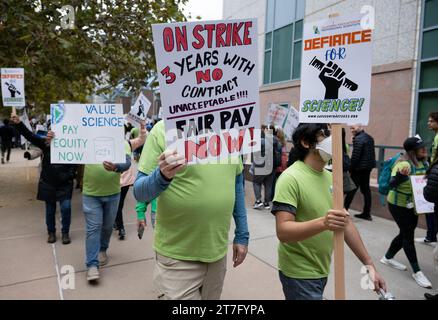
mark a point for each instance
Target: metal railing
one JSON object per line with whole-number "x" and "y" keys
{"x": 381, "y": 154}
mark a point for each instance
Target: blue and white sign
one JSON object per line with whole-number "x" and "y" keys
{"x": 87, "y": 133}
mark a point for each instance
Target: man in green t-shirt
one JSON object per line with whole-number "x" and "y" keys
{"x": 195, "y": 205}
{"x": 100, "y": 201}
{"x": 305, "y": 221}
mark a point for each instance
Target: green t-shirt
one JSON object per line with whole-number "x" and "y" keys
{"x": 135, "y": 133}
{"x": 434, "y": 148}
{"x": 98, "y": 182}
{"x": 309, "y": 191}
{"x": 194, "y": 212}
{"x": 402, "y": 195}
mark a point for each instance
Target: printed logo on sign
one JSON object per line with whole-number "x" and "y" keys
{"x": 57, "y": 112}
{"x": 316, "y": 30}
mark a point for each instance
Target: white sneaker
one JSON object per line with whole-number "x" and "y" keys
{"x": 258, "y": 204}
{"x": 394, "y": 264}
{"x": 426, "y": 242}
{"x": 93, "y": 274}
{"x": 103, "y": 258}
{"x": 421, "y": 280}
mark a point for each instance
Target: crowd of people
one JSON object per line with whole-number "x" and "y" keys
{"x": 192, "y": 205}
{"x": 357, "y": 170}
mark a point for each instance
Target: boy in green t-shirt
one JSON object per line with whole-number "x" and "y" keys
{"x": 305, "y": 221}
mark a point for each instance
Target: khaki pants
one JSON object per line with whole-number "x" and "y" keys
{"x": 188, "y": 280}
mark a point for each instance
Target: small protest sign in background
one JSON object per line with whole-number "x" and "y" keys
{"x": 139, "y": 110}
{"x": 421, "y": 205}
{"x": 13, "y": 87}
{"x": 87, "y": 133}
{"x": 283, "y": 116}
{"x": 208, "y": 78}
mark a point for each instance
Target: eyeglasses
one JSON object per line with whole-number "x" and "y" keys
{"x": 325, "y": 132}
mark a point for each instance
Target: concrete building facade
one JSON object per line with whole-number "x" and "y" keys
{"x": 405, "y": 57}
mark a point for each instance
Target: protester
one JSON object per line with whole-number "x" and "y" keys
{"x": 282, "y": 151}
{"x": 430, "y": 193}
{"x": 127, "y": 179}
{"x": 195, "y": 204}
{"x": 6, "y": 135}
{"x": 262, "y": 169}
{"x": 141, "y": 208}
{"x": 100, "y": 201}
{"x": 431, "y": 235}
{"x": 348, "y": 183}
{"x": 401, "y": 207}
{"x": 55, "y": 183}
{"x": 305, "y": 219}
{"x": 363, "y": 160}
{"x": 135, "y": 132}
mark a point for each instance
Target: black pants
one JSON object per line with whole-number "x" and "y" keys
{"x": 275, "y": 176}
{"x": 362, "y": 180}
{"x": 407, "y": 221}
{"x": 266, "y": 181}
{"x": 6, "y": 148}
{"x": 119, "y": 218}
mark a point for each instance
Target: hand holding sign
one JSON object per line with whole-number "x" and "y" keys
{"x": 143, "y": 131}
{"x": 336, "y": 220}
{"x": 50, "y": 136}
{"x": 170, "y": 163}
{"x": 109, "y": 166}
{"x": 406, "y": 171}
{"x": 15, "y": 119}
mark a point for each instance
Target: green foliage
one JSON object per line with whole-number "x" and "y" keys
{"x": 111, "y": 41}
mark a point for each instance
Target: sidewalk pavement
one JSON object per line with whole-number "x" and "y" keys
{"x": 31, "y": 268}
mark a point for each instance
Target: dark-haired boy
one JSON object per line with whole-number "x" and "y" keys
{"x": 305, "y": 221}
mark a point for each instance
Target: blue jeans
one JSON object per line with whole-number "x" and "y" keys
{"x": 301, "y": 289}
{"x": 100, "y": 214}
{"x": 65, "y": 215}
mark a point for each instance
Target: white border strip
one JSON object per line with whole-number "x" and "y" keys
{"x": 61, "y": 295}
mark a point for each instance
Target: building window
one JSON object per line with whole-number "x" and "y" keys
{"x": 427, "y": 87}
{"x": 283, "y": 40}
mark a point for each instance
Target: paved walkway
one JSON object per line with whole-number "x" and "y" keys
{"x": 32, "y": 269}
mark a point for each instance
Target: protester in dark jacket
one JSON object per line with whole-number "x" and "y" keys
{"x": 6, "y": 135}
{"x": 363, "y": 160}
{"x": 430, "y": 193}
{"x": 431, "y": 190}
{"x": 55, "y": 184}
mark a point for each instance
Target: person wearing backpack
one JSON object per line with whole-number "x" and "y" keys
{"x": 430, "y": 193}
{"x": 401, "y": 206}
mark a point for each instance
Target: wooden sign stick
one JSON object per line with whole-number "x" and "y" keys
{"x": 338, "y": 204}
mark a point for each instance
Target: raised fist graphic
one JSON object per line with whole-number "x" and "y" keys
{"x": 333, "y": 77}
